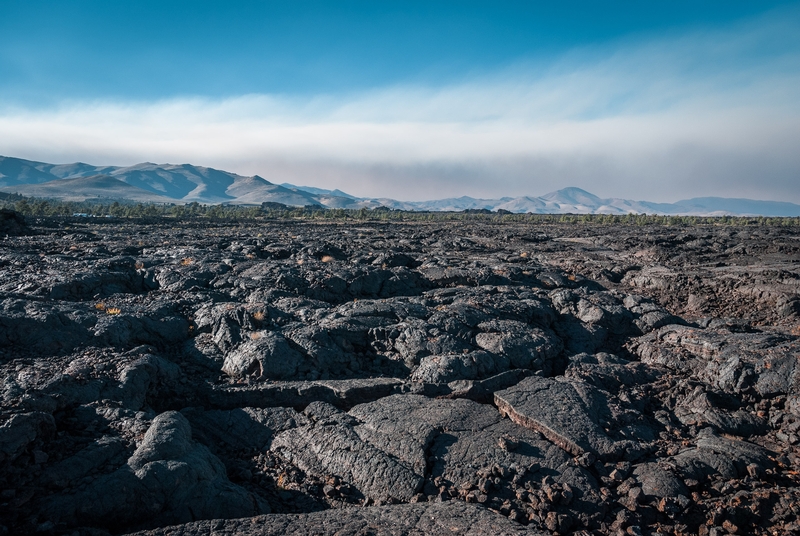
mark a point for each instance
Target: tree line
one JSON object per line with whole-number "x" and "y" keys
{"x": 268, "y": 211}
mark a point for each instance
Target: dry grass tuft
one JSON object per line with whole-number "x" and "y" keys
{"x": 113, "y": 310}
{"x": 327, "y": 258}
{"x": 259, "y": 315}
{"x": 100, "y": 306}
{"x": 187, "y": 261}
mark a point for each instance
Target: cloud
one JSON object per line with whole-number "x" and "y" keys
{"x": 701, "y": 113}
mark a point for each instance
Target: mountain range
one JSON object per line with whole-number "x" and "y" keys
{"x": 186, "y": 183}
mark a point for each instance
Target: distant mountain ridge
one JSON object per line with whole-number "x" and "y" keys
{"x": 186, "y": 183}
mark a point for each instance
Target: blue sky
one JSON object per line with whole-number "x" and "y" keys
{"x": 656, "y": 100}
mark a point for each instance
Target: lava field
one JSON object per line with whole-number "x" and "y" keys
{"x": 455, "y": 377}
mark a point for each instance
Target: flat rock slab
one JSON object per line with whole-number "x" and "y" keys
{"x": 451, "y": 517}
{"x": 337, "y": 449}
{"x": 567, "y": 413}
{"x": 341, "y": 393}
{"x": 460, "y": 439}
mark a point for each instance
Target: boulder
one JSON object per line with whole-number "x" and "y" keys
{"x": 657, "y": 481}
{"x": 169, "y": 479}
{"x": 265, "y": 355}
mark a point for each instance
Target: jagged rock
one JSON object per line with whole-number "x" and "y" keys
{"x": 202, "y": 351}
{"x": 742, "y": 453}
{"x": 699, "y": 409}
{"x": 525, "y": 347}
{"x": 21, "y": 430}
{"x": 658, "y": 362}
{"x": 230, "y": 322}
{"x": 138, "y": 378}
{"x": 468, "y": 366}
{"x": 266, "y": 355}
{"x": 731, "y": 362}
{"x": 658, "y": 481}
{"x": 460, "y": 439}
{"x": 291, "y": 394}
{"x": 483, "y": 390}
{"x": 609, "y": 372}
{"x": 649, "y": 315}
{"x": 189, "y": 274}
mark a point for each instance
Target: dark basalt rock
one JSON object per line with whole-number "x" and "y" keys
{"x": 570, "y": 414}
{"x": 405, "y": 378}
{"x": 323, "y": 449}
{"x": 20, "y": 430}
{"x": 658, "y": 481}
{"x": 242, "y": 428}
{"x": 12, "y": 223}
{"x": 451, "y": 517}
{"x": 168, "y": 479}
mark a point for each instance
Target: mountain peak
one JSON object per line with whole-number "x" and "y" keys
{"x": 572, "y": 196}
{"x": 183, "y": 183}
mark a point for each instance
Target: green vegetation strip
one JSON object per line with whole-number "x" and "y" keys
{"x": 275, "y": 211}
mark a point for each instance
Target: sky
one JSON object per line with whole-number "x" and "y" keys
{"x": 658, "y": 101}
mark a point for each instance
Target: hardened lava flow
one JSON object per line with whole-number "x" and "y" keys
{"x": 472, "y": 377}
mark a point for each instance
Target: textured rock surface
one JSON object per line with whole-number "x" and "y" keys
{"x": 568, "y": 413}
{"x": 451, "y": 517}
{"x": 475, "y": 377}
{"x": 168, "y": 479}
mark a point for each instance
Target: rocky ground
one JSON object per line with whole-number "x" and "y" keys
{"x": 398, "y": 378}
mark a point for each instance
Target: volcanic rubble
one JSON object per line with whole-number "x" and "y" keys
{"x": 293, "y": 377}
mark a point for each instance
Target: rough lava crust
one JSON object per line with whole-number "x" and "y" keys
{"x": 295, "y": 377}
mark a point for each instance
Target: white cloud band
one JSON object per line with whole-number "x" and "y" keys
{"x": 661, "y": 119}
